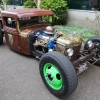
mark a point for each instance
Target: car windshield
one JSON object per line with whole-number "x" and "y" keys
{"x": 34, "y": 20}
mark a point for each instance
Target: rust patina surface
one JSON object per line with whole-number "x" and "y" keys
{"x": 23, "y": 36}
{"x": 20, "y": 35}
{"x": 26, "y": 12}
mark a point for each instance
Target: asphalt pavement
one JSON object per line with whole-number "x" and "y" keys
{"x": 20, "y": 79}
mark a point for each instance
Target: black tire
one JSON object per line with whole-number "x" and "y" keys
{"x": 95, "y": 39}
{"x": 1, "y": 37}
{"x": 67, "y": 72}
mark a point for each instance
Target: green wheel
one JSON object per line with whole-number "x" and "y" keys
{"x": 58, "y": 74}
{"x": 53, "y": 76}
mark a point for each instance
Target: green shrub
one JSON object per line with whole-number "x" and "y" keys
{"x": 29, "y": 4}
{"x": 59, "y": 7}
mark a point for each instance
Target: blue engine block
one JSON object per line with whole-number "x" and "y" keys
{"x": 52, "y": 44}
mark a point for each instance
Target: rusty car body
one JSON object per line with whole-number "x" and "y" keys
{"x": 61, "y": 56}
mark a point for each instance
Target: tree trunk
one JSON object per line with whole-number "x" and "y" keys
{"x": 37, "y": 2}
{"x": 4, "y": 4}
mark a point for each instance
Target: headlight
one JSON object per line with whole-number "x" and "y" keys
{"x": 70, "y": 52}
{"x": 90, "y": 44}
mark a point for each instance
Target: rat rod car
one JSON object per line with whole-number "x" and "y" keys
{"x": 30, "y": 31}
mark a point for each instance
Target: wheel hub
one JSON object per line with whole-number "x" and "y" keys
{"x": 52, "y": 76}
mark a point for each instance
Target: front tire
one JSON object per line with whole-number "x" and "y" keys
{"x": 95, "y": 40}
{"x": 58, "y": 74}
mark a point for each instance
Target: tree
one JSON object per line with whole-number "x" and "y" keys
{"x": 32, "y": 3}
{"x": 29, "y": 4}
{"x": 37, "y": 2}
{"x": 59, "y": 7}
{"x": 4, "y": 4}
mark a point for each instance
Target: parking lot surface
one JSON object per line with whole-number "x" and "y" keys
{"x": 20, "y": 79}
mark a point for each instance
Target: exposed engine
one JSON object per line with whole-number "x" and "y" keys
{"x": 57, "y": 42}
{"x": 68, "y": 45}
{"x": 46, "y": 40}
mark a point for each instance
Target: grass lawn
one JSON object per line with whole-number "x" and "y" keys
{"x": 85, "y": 33}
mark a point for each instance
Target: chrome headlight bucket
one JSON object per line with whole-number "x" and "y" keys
{"x": 90, "y": 44}
{"x": 70, "y": 52}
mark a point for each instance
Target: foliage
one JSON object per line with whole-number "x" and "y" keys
{"x": 85, "y": 33}
{"x": 1, "y": 7}
{"x": 59, "y": 7}
{"x": 29, "y": 4}
{"x": 96, "y": 20}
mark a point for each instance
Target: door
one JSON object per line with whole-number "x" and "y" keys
{"x": 11, "y": 33}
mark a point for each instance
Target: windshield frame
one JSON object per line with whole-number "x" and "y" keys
{"x": 38, "y": 21}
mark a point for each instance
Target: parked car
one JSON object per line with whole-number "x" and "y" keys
{"x": 30, "y": 31}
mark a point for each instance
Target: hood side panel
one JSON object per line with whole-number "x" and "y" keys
{"x": 24, "y": 37}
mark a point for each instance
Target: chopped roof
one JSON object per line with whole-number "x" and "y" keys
{"x": 26, "y": 12}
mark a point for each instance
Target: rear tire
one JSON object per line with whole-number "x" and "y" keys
{"x": 58, "y": 74}
{"x": 1, "y": 37}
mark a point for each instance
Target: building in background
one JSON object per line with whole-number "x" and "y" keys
{"x": 84, "y": 4}
{"x": 79, "y": 10}
{"x": 14, "y": 2}
{"x": 72, "y": 4}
